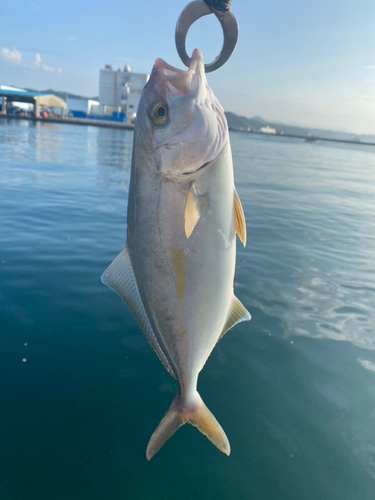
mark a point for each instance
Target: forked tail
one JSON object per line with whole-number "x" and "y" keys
{"x": 197, "y": 414}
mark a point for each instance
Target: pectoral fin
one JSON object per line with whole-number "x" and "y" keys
{"x": 237, "y": 313}
{"x": 195, "y": 206}
{"x": 239, "y": 218}
{"x": 119, "y": 276}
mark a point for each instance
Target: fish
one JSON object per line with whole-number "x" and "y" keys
{"x": 177, "y": 269}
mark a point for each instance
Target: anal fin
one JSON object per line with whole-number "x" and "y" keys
{"x": 119, "y": 276}
{"x": 237, "y": 313}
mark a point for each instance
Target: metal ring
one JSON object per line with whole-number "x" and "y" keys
{"x": 191, "y": 13}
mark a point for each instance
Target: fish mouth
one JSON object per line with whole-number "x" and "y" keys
{"x": 197, "y": 171}
{"x": 186, "y": 176}
{"x": 179, "y": 81}
{"x": 191, "y": 174}
{"x": 207, "y": 164}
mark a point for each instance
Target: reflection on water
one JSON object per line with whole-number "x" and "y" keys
{"x": 317, "y": 204}
{"x": 294, "y": 388}
{"x": 114, "y": 148}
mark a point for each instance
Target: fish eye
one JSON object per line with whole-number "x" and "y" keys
{"x": 159, "y": 113}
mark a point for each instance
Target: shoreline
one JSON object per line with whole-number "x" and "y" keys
{"x": 309, "y": 138}
{"x": 120, "y": 125}
{"x": 73, "y": 121}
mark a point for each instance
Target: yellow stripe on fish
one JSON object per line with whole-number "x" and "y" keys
{"x": 178, "y": 262}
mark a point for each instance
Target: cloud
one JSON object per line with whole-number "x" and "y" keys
{"x": 72, "y": 39}
{"x": 38, "y": 64}
{"x": 369, "y": 67}
{"x": 13, "y": 56}
{"x": 38, "y": 60}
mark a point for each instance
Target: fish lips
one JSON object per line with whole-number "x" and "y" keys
{"x": 178, "y": 81}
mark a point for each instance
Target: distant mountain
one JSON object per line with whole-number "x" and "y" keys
{"x": 256, "y": 123}
{"x": 236, "y": 121}
{"x": 258, "y": 119}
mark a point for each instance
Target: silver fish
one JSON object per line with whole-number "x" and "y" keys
{"x": 176, "y": 271}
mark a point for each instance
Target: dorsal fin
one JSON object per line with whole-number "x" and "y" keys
{"x": 195, "y": 206}
{"x": 239, "y": 218}
{"x": 119, "y": 276}
{"x": 237, "y": 313}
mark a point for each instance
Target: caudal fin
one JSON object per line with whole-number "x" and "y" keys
{"x": 196, "y": 414}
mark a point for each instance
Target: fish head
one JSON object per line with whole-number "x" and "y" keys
{"x": 186, "y": 124}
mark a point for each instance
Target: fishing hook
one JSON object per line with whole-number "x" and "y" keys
{"x": 197, "y": 9}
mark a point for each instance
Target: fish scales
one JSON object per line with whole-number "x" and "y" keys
{"x": 183, "y": 214}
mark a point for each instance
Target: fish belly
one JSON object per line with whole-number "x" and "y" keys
{"x": 186, "y": 284}
{"x": 209, "y": 266}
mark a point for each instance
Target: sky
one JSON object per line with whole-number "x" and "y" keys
{"x": 303, "y": 63}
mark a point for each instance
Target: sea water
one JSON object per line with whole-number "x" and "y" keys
{"x": 81, "y": 389}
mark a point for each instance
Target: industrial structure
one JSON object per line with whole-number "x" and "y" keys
{"x": 120, "y": 91}
{"x": 119, "y": 96}
{"x": 38, "y": 99}
{"x": 80, "y": 107}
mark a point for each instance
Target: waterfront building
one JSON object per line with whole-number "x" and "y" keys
{"x": 80, "y": 107}
{"x": 120, "y": 91}
{"x": 11, "y": 95}
{"x": 21, "y": 105}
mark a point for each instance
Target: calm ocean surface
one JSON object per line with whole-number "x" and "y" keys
{"x": 294, "y": 388}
